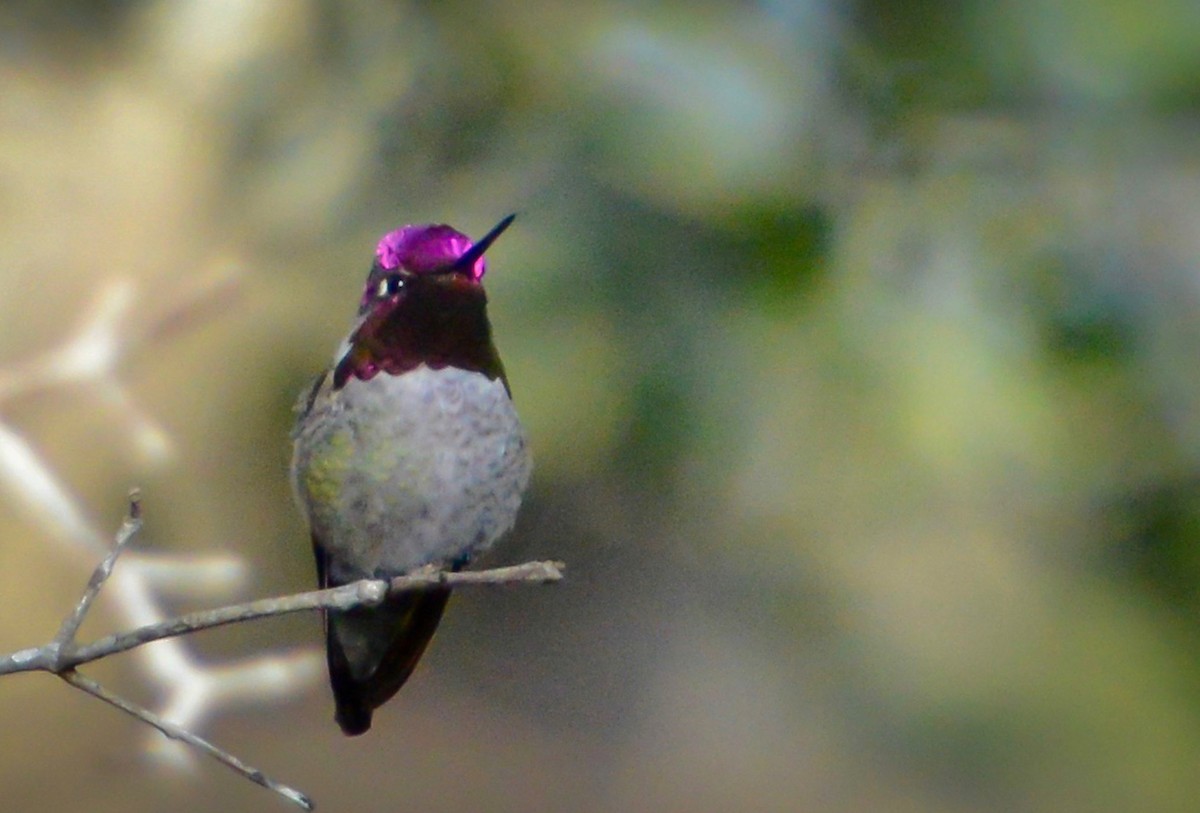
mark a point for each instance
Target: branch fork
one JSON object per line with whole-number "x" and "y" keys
{"x": 62, "y": 655}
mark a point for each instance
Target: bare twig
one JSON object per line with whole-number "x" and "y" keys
{"x": 58, "y": 657}
{"x": 365, "y": 593}
{"x": 176, "y": 732}
{"x": 64, "y": 642}
{"x": 62, "y": 655}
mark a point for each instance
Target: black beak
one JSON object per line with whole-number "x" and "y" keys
{"x": 467, "y": 261}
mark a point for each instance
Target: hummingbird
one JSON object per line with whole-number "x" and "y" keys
{"x": 408, "y": 454}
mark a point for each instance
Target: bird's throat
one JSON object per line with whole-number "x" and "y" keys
{"x": 438, "y": 322}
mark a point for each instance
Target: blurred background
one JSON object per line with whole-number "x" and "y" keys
{"x": 857, "y": 342}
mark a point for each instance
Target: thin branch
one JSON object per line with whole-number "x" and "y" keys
{"x": 64, "y": 642}
{"x": 179, "y": 733}
{"x": 62, "y": 654}
{"x": 365, "y": 593}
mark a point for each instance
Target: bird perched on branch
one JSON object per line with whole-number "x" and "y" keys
{"x": 408, "y": 454}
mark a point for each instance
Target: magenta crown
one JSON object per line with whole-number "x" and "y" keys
{"x": 425, "y": 248}
{"x": 437, "y": 249}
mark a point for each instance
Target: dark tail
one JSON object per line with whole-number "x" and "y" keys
{"x": 372, "y": 652}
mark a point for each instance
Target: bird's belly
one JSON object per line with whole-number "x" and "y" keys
{"x": 403, "y": 470}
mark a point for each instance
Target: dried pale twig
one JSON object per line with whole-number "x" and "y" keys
{"x": 62, "y": 655}
{"x": 180, "y": 733}
{"x": 365, "y": 593}
{"x": 65, "y": 640}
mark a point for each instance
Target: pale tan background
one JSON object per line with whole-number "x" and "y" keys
{"x": 857, "y": 341}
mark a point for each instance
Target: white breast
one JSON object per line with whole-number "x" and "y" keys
{"x": 400, "y": 471}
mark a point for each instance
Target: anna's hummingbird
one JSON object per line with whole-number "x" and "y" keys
{"x": 408, "y": 453}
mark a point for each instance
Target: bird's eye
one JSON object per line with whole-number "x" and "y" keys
{"x": 389, "y": 285}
